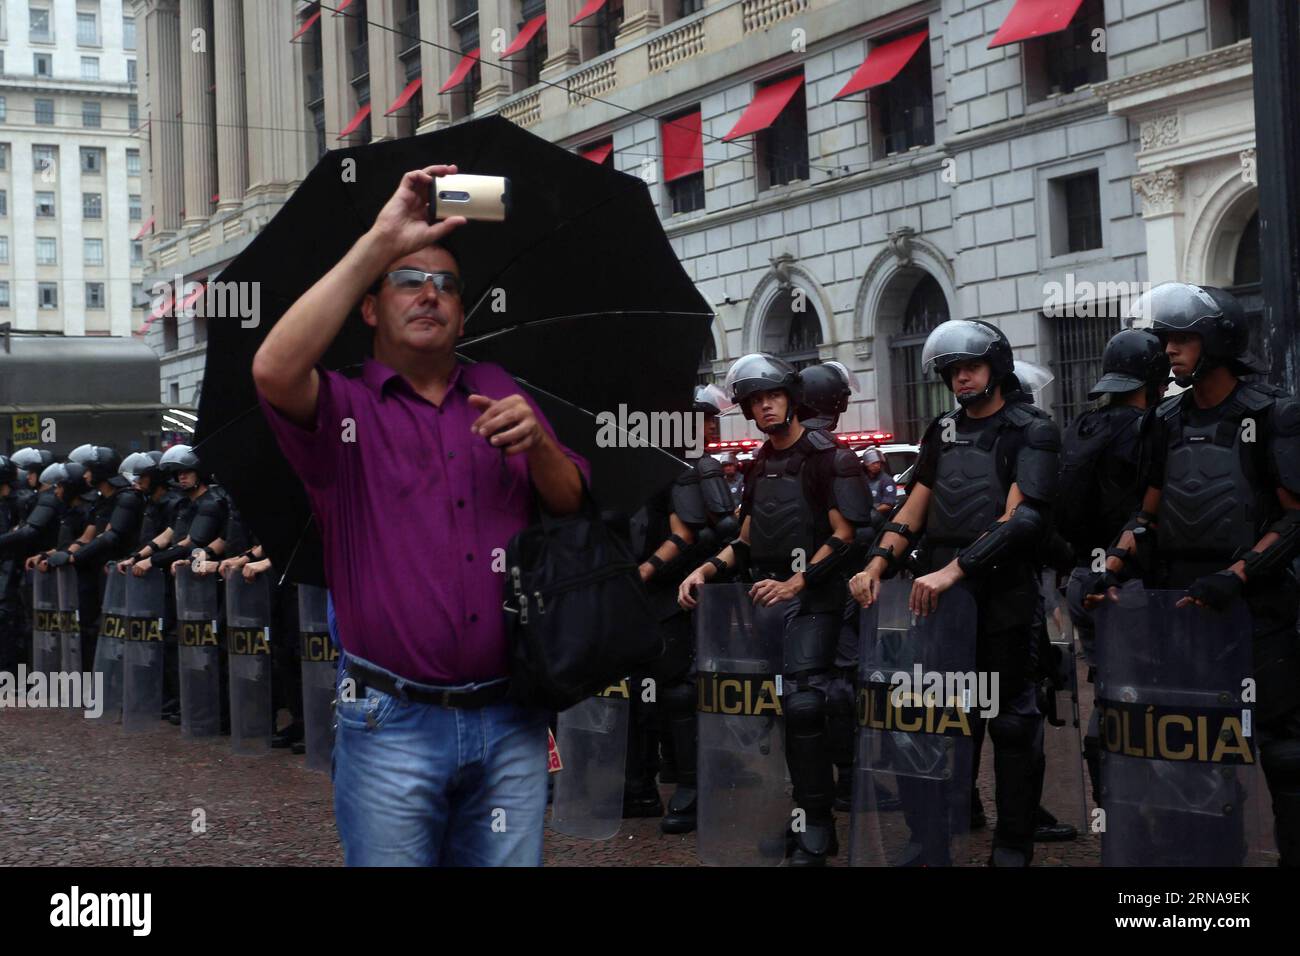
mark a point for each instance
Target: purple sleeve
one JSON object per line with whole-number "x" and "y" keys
{"x": 313, "y": 452}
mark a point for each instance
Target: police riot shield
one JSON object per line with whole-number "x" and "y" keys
{"x": 320, "y": 661}
{"x": 917, "y": 700}
{"x": 69, "y": 620}
{"x": 142, "y": 651}
{"x": 1063, "y": 793}
{"x": 744, "y": 804}
{"x": 47, "y": 645}
{"x": 248, "y": 642}
{"x": 1180, "y": 777}
{"x": 108, "y": 648}
{"x": 199, "y": 652}
{"x": 591, "y": 737}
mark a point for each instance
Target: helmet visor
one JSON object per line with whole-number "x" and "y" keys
{"x": 954, "y": 341}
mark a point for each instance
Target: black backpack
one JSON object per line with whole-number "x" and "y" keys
{"x": 577, "y": 614}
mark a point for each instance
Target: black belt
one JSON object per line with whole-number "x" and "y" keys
{"x": 462, "y": 699}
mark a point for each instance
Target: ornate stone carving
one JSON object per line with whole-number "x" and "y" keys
{"x": 1160, "y": 131}
{"x": 781, "y": 269}
{"x": 1159, "y": 191}
{"x": 1248, "y": 171}
{"x": 900, "y": 244}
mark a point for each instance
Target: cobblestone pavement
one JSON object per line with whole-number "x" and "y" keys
{"x": 75, "y": 792}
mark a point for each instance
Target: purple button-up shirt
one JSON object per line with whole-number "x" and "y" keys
{"x": 412, "y": 507}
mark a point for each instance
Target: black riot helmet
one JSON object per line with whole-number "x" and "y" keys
{"x": 180, "y": 458}
{"x": 760, "y": 372}
{"x": 1213, "y": 314}
{"x": 965, "y": 340}
{"x": 8, "y": 471}
{"x": 74, "y": 480}
{"x": 33, "y": 459}
{"x": 826, "y": 391}
{"x": 54, "y": 474}
{"x": 102, "y": 462}
{"x": 141, "y": 464}
{"x": 1133, "y": 359}
{"x": 711, "y": 400}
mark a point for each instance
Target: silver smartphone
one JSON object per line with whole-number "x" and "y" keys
{"x": 486, "y": 198}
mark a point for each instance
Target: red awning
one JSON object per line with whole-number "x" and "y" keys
{"x": 768, "y": 103}
{"x": 462, "y": 70}
{"x": 883, "y": 63}
{"x": 306, "y": 25}
{"x": 683, "y": 146}
{"x": 591, "y": 8}
{"x": 148, "y": 225}
{"x": 598, "y": 154}
{"x": 1035, "y": 18}
{"x": 525, "y": 35}
{"x": 355, "y": 122}
{"x": 343, "y": 5}
{"x": 404, "y": 97}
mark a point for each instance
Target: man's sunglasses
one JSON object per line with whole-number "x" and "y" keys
{"x": 411, "y": 280}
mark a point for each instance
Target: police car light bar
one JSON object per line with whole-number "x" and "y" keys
{"x": 844, "y": 438}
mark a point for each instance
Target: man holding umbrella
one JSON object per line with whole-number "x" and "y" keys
{"x": 417, "y": 472}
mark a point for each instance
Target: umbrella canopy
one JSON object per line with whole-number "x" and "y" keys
{"x": 578, "y": 294}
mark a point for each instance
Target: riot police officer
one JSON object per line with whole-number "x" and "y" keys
{"x": 797, "y": 498}
{"x": 1100, "y": 483}
{"x": 680, "y": 526}
{"x": 39, "y": 511}
{"x": 982, "y": 495}
{"x": 827, "y": 389}
{"x": 30, "y": 462}
{"x": 11, "y": 612}
{"x": 884, "y": 490}
{"x": 1236, "y": 444}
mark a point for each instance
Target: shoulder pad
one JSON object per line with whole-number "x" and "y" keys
{"x": 1259, "y": 395}
{"x": 1043, "y": 433}
{"x": 1286, "y": 417}
{"x": 686, "y": 477}
{"x": 847, "y": 464}
{"x": 1022, "y": 414}
{"x": 706, "y": 466}
{"x": 818, "y": 440}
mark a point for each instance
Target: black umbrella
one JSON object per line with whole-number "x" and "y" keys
{"x": 578, "y": 295}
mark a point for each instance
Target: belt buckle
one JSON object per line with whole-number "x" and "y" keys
{"x": 447, "y": 699}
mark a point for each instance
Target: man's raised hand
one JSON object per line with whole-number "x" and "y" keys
{"x": 403, "y": 226}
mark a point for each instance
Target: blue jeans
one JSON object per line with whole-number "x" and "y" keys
{"x": 422, "y": 785}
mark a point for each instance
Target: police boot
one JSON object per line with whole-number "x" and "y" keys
{"x": 1092, "y": 757}
{"x": 1018, "y": 778}
{"x": 810, "y": 773}
{"x": 679, "y": 706}
{"x": 640, "y": 795}
{"x": 1047, "y": 829}
{"x": 814, "y": 841}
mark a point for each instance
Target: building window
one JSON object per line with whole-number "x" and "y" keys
{"x": 704, "y": 374}
{"x": 39, "y": 19}
{"x": 783, "y": 146}
{"x": 1080, "y": 341}
{"x": 4, "y": 110}
{"x": 92, "y": 160}
{"x": 92, "y": 206}
{"x": 1229, "y": 22}
{"x": 133, "y": 162}
{"x": 130, "y": 72}
{"x": 4, "y": 294}
{"x": 903, "y": 108}
{"x": 90, "y": 114}
{"x": 791, "y": 329}
{"x": 534, "y": 55}
{"x": 1075, "y": 213}
{"x": 47, "y": 251}
{"x": 47, "y": 295}
{"x": 94, "y": 295}
{"x": 137, "y": 252}
{"x": 463, "y": 96}
{"x": 173, "y": 388}
{"x": 608, "y": 21}
{"x": 171, "y": 339}
{"x": 917, "y": 397}
{"x": 45, "y": 205}
{"x": 4, "y": 250}
{"x": 1063, "y": 61}
{"x": 92, "y": 251}
{"x": 87, "y": 30}
{"x": 686, "y": 7}
{"x": 42, "y": 65}
{"x": 1245, "y": 267}
{"x": 4, "y": 156}
{"x": 44, "y": 111}
{"x": 687, "y": 194}
{"x": 44, "y": 157}
{"x": 4, "y": 203}
{"x": 135, "y": 207}
{"x": 128, "y": 33}
{"x": 133, "y": 116}
{"x": 90, "y": 67}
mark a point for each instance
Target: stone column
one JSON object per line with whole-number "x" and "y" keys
{"x": 162, "y": 29}
{"x": 561, "y": 39}
{"x": 232, "y": 116}
{"x": 276, "y": 112}
{"x": 436, "y": 63}
{"x": 497, "y": 79}
{"x": 385, "y": 68}
{"x": 196, "y": 104}
{"x": 1161, "y": 192}
{"x": 639, "y": 18}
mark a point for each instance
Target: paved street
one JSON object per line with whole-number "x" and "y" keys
{"x": 74, "y": 792}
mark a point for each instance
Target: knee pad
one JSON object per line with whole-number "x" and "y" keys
{"x": 1015, "y": 730}
{"x": 809, "y": 643}
{"x": 679, "y": 699}
{"x": 805, "y": 711}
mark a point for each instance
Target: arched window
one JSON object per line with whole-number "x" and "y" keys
{"x": 791, "y": 329}
{"x": 1246, "y": 285}
{"x": 918, "y": 397}
{"x": 1245, "y": 268}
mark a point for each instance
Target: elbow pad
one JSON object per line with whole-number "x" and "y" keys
{"x": 1019, "y": 534}
{"x": 105, "y": 544}
{"x": 741, "y": 550}
{"x": 168, "y": 556}
{"x": 821, "y": 572}
{"x": 1277, "y": 556}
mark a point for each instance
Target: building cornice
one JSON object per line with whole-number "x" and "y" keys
{"x": 1128, "y": 92}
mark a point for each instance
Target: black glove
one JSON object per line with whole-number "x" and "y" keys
{"x": 1218, "y": 590}
{"x": 1099, "y": 582}
{"x": 58, "y": 559}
